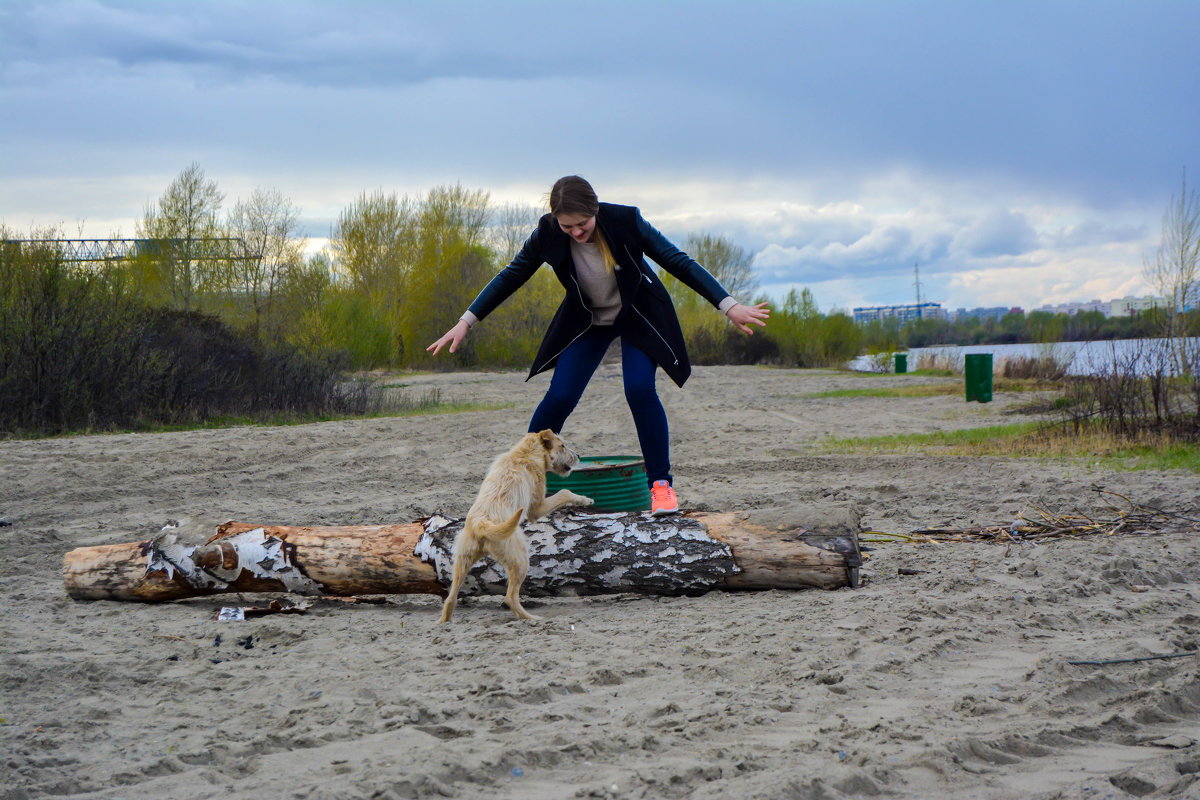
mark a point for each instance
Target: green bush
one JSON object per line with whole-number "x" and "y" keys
{"x": 349, "y": 324}
{"x": 78, "y": 351}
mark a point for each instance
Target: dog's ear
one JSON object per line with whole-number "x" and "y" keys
{"x": 547, "y": 437}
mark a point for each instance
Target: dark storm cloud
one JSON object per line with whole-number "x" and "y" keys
{"x": 1087, "y": 98}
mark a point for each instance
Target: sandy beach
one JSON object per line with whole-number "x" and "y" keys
{"x": 949, "y": 679}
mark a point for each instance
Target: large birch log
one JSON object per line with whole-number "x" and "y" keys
{"x": 570, "y": 554}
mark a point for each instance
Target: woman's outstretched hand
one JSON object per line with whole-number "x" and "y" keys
{"x": 452, "y": 337}
{"x": 742, "y": 316}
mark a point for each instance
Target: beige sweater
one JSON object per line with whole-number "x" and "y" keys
{"x": 598, "y": 284}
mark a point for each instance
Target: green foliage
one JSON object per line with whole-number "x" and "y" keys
{"x": 1043, "y": 326}
{"x": 80, "y": 351}
{"x": 417, "y": 263}
{"x": 794, "y": 326}
{"x": 349, "y": 323}
{"x": 191, "y": 327}
{"x": 372, "y": 243}
{"x": 65, "y": 343}
{"x": 807, "y": 338}
{"x": 297, "y": 313}
{"x": 842, "y": 340}
{"x": 449, "y": 266}
{"x": 511, "y": 335}
{"x": 372, "y": 251}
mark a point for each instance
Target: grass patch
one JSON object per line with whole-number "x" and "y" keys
{"x": 990, "y": 440}
{"x": 285, "y": 419}
{"x": 916, "y": 390}
{"x": 936, "y": 389}
{"x": 1092, "y": 446}
{"x": 387, "y": 407}
{"x": 1173, "y": 456}
{"x": 429, "y": 402}
{"x": 918, "y": 373}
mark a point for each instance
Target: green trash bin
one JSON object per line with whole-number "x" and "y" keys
{"x": 979, "y": 377}
{"x": 901, "y": 363}
{"x": 616, "y": 483}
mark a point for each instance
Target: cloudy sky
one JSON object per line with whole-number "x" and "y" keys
{"x": 1020, "y": 153}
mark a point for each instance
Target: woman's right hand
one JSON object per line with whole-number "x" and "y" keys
{"x": 452, "y": 337}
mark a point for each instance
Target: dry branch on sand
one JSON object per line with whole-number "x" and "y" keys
{"x": 1036, "y": 522}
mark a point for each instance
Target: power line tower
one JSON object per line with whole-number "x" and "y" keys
{"x": 917, "y": 280}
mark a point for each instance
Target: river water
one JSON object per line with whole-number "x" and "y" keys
{"x": 1141, "y": 356}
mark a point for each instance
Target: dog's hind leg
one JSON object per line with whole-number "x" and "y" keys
{"x": 512, "y": 552}
{"x": 516, "y": 577}
{"x": 463, "y": 561}
{"x": 452, "y": 597}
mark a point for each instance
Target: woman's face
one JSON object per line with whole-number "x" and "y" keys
{"x": 578, "y": 226}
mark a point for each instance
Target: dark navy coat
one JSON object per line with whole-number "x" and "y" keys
{"x": 647, "y": 315}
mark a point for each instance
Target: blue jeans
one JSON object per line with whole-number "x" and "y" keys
{"x": 575, "y": 368}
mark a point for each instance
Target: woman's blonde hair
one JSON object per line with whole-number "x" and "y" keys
{"x": 574, "y": 195}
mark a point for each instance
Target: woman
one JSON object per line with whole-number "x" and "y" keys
{"x": 597, "y": 251}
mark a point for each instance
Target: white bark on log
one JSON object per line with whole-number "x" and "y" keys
{"x": 570, "y": 553}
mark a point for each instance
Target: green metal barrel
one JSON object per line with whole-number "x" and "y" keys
{"x": 979, "y": 377}
{"x": 616, "y": 483}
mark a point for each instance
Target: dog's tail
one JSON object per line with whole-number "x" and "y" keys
{"x": 504, "y": 529}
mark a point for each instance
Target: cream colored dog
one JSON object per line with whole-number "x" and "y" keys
{"x": 514, "y": 487}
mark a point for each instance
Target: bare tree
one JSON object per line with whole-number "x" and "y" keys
{"x": 729, "y": 263}
{"x": 185, "y": 216}
{"x": 1175, "y": 272}
{"x": 268, "y": 226}
{"x": 511, "y": 225}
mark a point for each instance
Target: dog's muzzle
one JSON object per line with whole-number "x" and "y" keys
{"x": 578, "y": 458}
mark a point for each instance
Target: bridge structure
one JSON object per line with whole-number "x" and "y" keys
{"x": 90, "y": 251}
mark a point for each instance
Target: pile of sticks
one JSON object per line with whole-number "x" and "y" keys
{"x": 1113, "y": 513}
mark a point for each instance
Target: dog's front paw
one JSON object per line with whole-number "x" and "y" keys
{"x": 584, "y": 501}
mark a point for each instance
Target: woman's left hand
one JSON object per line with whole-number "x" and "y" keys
{"x": 742, "y": 316}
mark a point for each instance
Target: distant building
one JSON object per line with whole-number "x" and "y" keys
{"x": 1072, "y": 309}
{"x": 993, "y": 312}
{"x": 1191, "y": 299}
{"x": 1124, "y": 307}
{"x": 1128, "y": 306}
{"x": 905, "y": 313}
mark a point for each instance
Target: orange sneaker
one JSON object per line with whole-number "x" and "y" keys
{"x": 663, "y": 499}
